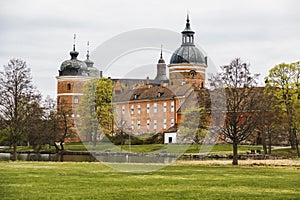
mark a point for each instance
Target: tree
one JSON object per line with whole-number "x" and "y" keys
{"x": 35, "y": 132}
{"x": 65, "y": 126}
{"x": 17, "y": 93}
{"x": 104, "y": 105}
{"x": 88, "y": 124}
{"x": 283, "y": 83}
{"x": 194, "y": 125}
{"x": 241, "y": 102}
{"x": 269, "y": 125}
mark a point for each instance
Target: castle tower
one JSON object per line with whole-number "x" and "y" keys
{"x": 161, "y": 71}
{"x": 187, "y": 64}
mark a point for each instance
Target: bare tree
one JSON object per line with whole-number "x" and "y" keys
{"x": 65, "y": 126}
{"x": 241, "y": 102}
{"x": 17, "y": 93}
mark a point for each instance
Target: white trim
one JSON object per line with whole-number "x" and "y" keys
{"x": 185, "y": 71}
{"x": 74, "y": 78}
{"x": 70, "y": 94}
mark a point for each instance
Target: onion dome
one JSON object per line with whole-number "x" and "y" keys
{"x": 73, "y": 67}
{"x": 92, "y": 71}
{"x": 187, "y": 52}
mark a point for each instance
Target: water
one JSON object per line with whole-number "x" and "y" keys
{"x": 103, "y": 157}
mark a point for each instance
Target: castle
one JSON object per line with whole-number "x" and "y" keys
{"x": 149, "y": 106}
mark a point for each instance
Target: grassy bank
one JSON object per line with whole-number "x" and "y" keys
{"x": 50, "y": 180}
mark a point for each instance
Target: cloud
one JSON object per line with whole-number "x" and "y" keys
{"x": 262, "y": 32}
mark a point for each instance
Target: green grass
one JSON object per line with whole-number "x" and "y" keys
{"x": 50, "y": 180}
{"x": 161, "y": 148}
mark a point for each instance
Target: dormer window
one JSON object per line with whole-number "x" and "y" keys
{"x": 159, "y": 94}
{"x": 136, "y": 96}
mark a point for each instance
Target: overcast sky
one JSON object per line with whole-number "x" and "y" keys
{"x": 261, "y": 32}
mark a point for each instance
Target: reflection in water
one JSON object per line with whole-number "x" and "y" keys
{"x": 103, "y": 157}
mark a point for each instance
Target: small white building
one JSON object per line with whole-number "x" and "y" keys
{"x": 170, "y": 138}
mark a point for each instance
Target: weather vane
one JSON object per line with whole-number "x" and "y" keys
{"x": 88, "y": 49}
{"x": 74, "y": 42}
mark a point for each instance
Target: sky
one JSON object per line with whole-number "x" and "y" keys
{"x": 262, "y": 33}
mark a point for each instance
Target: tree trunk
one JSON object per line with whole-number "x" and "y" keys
{"x": 292, "y": 138}
{"x": 62, "y": 152}
{"x": 14, "y": 158}
{"x": 296, "y": 142}
{"x": 263, "y": 141}
{"x": 270, "y": 142}
{"x": 94, "y": 141}
{"x": 235, "y": 153}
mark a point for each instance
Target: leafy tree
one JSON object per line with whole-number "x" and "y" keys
{"x": 16, "y": 99}
{"x": 194, "y": 125}
{"x": 283, "y": 83}
{"x": 88, "y": 123}
{"x": 241, "y": 100}
{"x": 104, "y": 104}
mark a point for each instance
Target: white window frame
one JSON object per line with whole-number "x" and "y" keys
{"x": 154, "y": 124}
{"x": 165, "y": 123}
{"x": 132, "y": 124}
{"x": 165, "y": 106}
{"x": 132, "y": 109}
{"x": 148, "y": 108}
{"x": 172, "y": 122}
{"x": 139, "y": 109}
{"x": 155, "y": 107}
{"x": 76, "y": 100}
{"x": 123, "y": 109}
{"x": 172, "y": 106}
{"x": 139, "y": 124}
{"x": 148, "y": 124}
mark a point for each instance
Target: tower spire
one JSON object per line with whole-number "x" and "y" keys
{"x": 187, "y": 16}
{"x": 74, "y": 38}
{"x": 161, "y": 57}
{"x": 88, "y": 50}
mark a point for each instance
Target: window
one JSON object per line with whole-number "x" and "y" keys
{"x": 132, "y": 124}
{"x": 132, "y": 109}
{"x": 165, "y": 123}
{"x": 165, "y": 106}
{"x": 155, "y": 124}
{"x": 148, "y": 108}
{"x": 172, "y": 122}
{"x": 148, "y": 124}
{"x": 139, "y": 124}
{"x": 69, "y": 86}
{"x": 139, "y": 109}
{"x": 172, "y": 106}
{"x": 159, "y": 94}
{"x": 217, "y": 121}
{"x": 155, "y": 107}
{"x": 76, "y": 100}
{"x": 123, "y": 109}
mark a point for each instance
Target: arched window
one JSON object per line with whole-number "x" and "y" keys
{"x": 76, "y": 100}
{"x": 69, "y": 86}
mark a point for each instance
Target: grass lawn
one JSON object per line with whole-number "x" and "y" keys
{"x": 54, "y": 180}
{"x": 161, "y": 148}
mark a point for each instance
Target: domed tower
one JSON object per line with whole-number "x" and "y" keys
{"x": 161, "y": 71}
{"x": 187, "y": 64}
{"x": 73, "y": 74}
{"x": 92, "y": 71}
